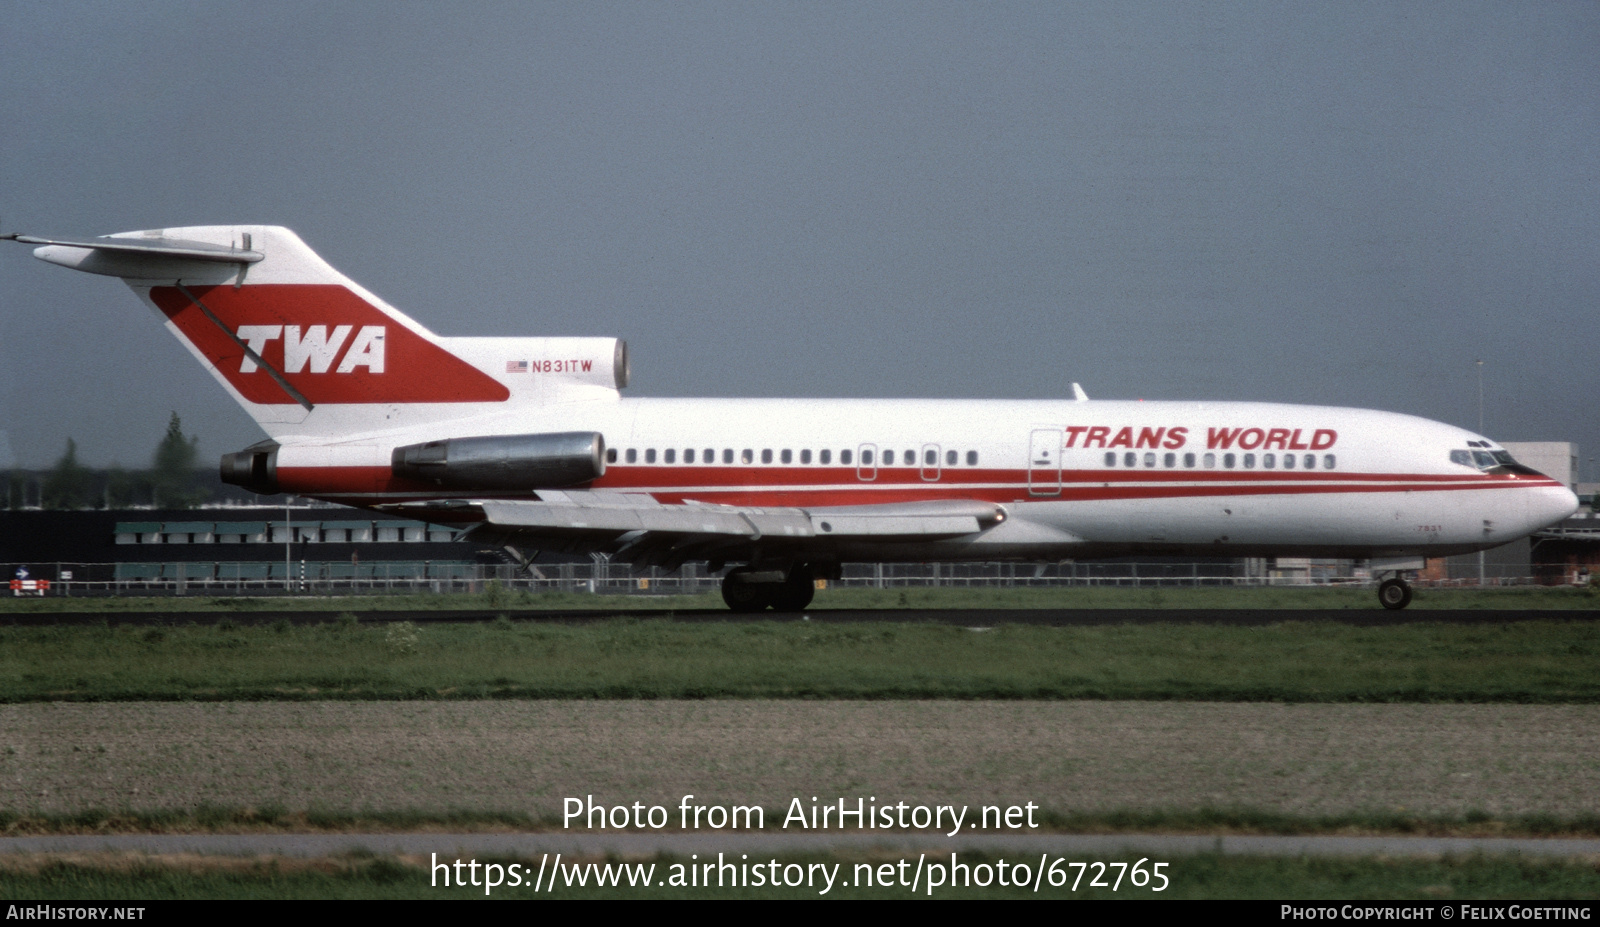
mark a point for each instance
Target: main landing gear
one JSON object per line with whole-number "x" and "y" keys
{"x": 1394, "y": 593}
{"x": 750, "y": 590}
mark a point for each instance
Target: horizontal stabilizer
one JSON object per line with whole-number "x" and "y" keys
{"x": 152, "y": 247}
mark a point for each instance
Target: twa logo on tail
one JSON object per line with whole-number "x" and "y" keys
{"x": 322, "y": 341}
{"x": 316, "y": 347}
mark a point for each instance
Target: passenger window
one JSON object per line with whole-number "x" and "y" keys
{"x": 1211, "y": 461}
{"x": 1327, "y": 461}
{"x": 1288, "y": 461}
{"x": 866, "y": 457}
{"x": 747, "y": 456}
{"x": 972, "y": 458}
{"x": 1269, "y": 461}
{"x": 1188, "y": 460}
{"x": 787, "y": 456}
{"x": 1171, "y": 460}
{"x": 1249, "y": 461}
{"x": 1150, "y": 458}
{"x": 671, "y": 455}
{"x": 930, "y": 457}
{"x": 825, "y": 457}
{"x": 1228, "y": 460}
{"x": 633, "y": 455}
{"x": 727, "y": 455}
{"x": 950, "y": 458}
{"x": 1111, "y": 458}
{"x": 1130, "y": 459}
{"x": 649, "y": 455}
{"x": 805, "y": 456}
{"x": 611, "y": 455}
{"x": 688, "y": 455}
{"x": 1310, "y": 462}
{"x": 766, "y": 455}
{"x": 888, "y": 458}
{"x": 844, "y": 458}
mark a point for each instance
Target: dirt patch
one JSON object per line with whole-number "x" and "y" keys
{"x": 1069, "y": 757}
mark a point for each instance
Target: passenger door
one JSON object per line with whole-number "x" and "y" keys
{"x": 1044, "y": 462}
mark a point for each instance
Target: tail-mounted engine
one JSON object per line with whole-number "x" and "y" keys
{"x": 255, "y": 468}
{"x": 546, "y": 461}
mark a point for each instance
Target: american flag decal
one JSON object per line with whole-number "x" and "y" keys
{"x": 516, "y": 366}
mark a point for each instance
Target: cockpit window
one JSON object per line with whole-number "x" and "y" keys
{"x": 1488, "y": 459}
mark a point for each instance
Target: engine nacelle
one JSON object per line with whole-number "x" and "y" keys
{"x": 543, "y": 461}
{"x": 255, "y": 468}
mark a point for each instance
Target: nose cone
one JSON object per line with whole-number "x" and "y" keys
{"x": 1550, "y": 505}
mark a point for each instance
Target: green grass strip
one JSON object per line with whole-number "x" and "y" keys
{"x": 1533, "y": 661}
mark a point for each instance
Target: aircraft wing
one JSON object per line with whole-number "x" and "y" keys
{"x": 635, "y": 527}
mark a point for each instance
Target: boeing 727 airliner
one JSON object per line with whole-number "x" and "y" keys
{"x": 529, "y": 444}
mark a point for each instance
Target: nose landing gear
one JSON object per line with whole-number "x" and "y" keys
{"x": 1394, "y": 593}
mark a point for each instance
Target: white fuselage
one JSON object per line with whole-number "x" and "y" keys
{"x": 1075, "y": 478}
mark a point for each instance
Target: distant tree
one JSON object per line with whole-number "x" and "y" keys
{"x": 123, "y": 489}
{"x": 69, "y": 484}
{"x": 172, "y": 471}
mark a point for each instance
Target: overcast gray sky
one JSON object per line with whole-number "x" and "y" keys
{"x": 1345, "y": 204}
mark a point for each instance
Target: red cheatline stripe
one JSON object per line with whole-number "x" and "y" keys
{"x": 681, "y": 475}
{"x": 373, "y": 483}
{"x": 671, "y": 478}
{"x": 649, "y": 477}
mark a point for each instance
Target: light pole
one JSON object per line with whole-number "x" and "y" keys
{"x": 1480, "y": 434}
{"x": 1480, "y": 395}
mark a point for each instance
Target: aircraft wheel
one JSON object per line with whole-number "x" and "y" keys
{"x": 796, "y": 592}
{"x": 742, "y": 596}
{"x": 1394, "y": 593}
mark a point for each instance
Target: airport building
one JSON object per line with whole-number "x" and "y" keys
{"x": 223, "y": 548}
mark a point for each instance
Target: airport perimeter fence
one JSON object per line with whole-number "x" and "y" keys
{"x": 602, "y": 577}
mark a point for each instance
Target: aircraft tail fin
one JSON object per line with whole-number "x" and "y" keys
{"x": 307, "y": 351}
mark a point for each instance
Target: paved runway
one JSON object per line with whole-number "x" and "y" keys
{"x": 1082, "y": 846}
{"x": 965, "y": 617}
